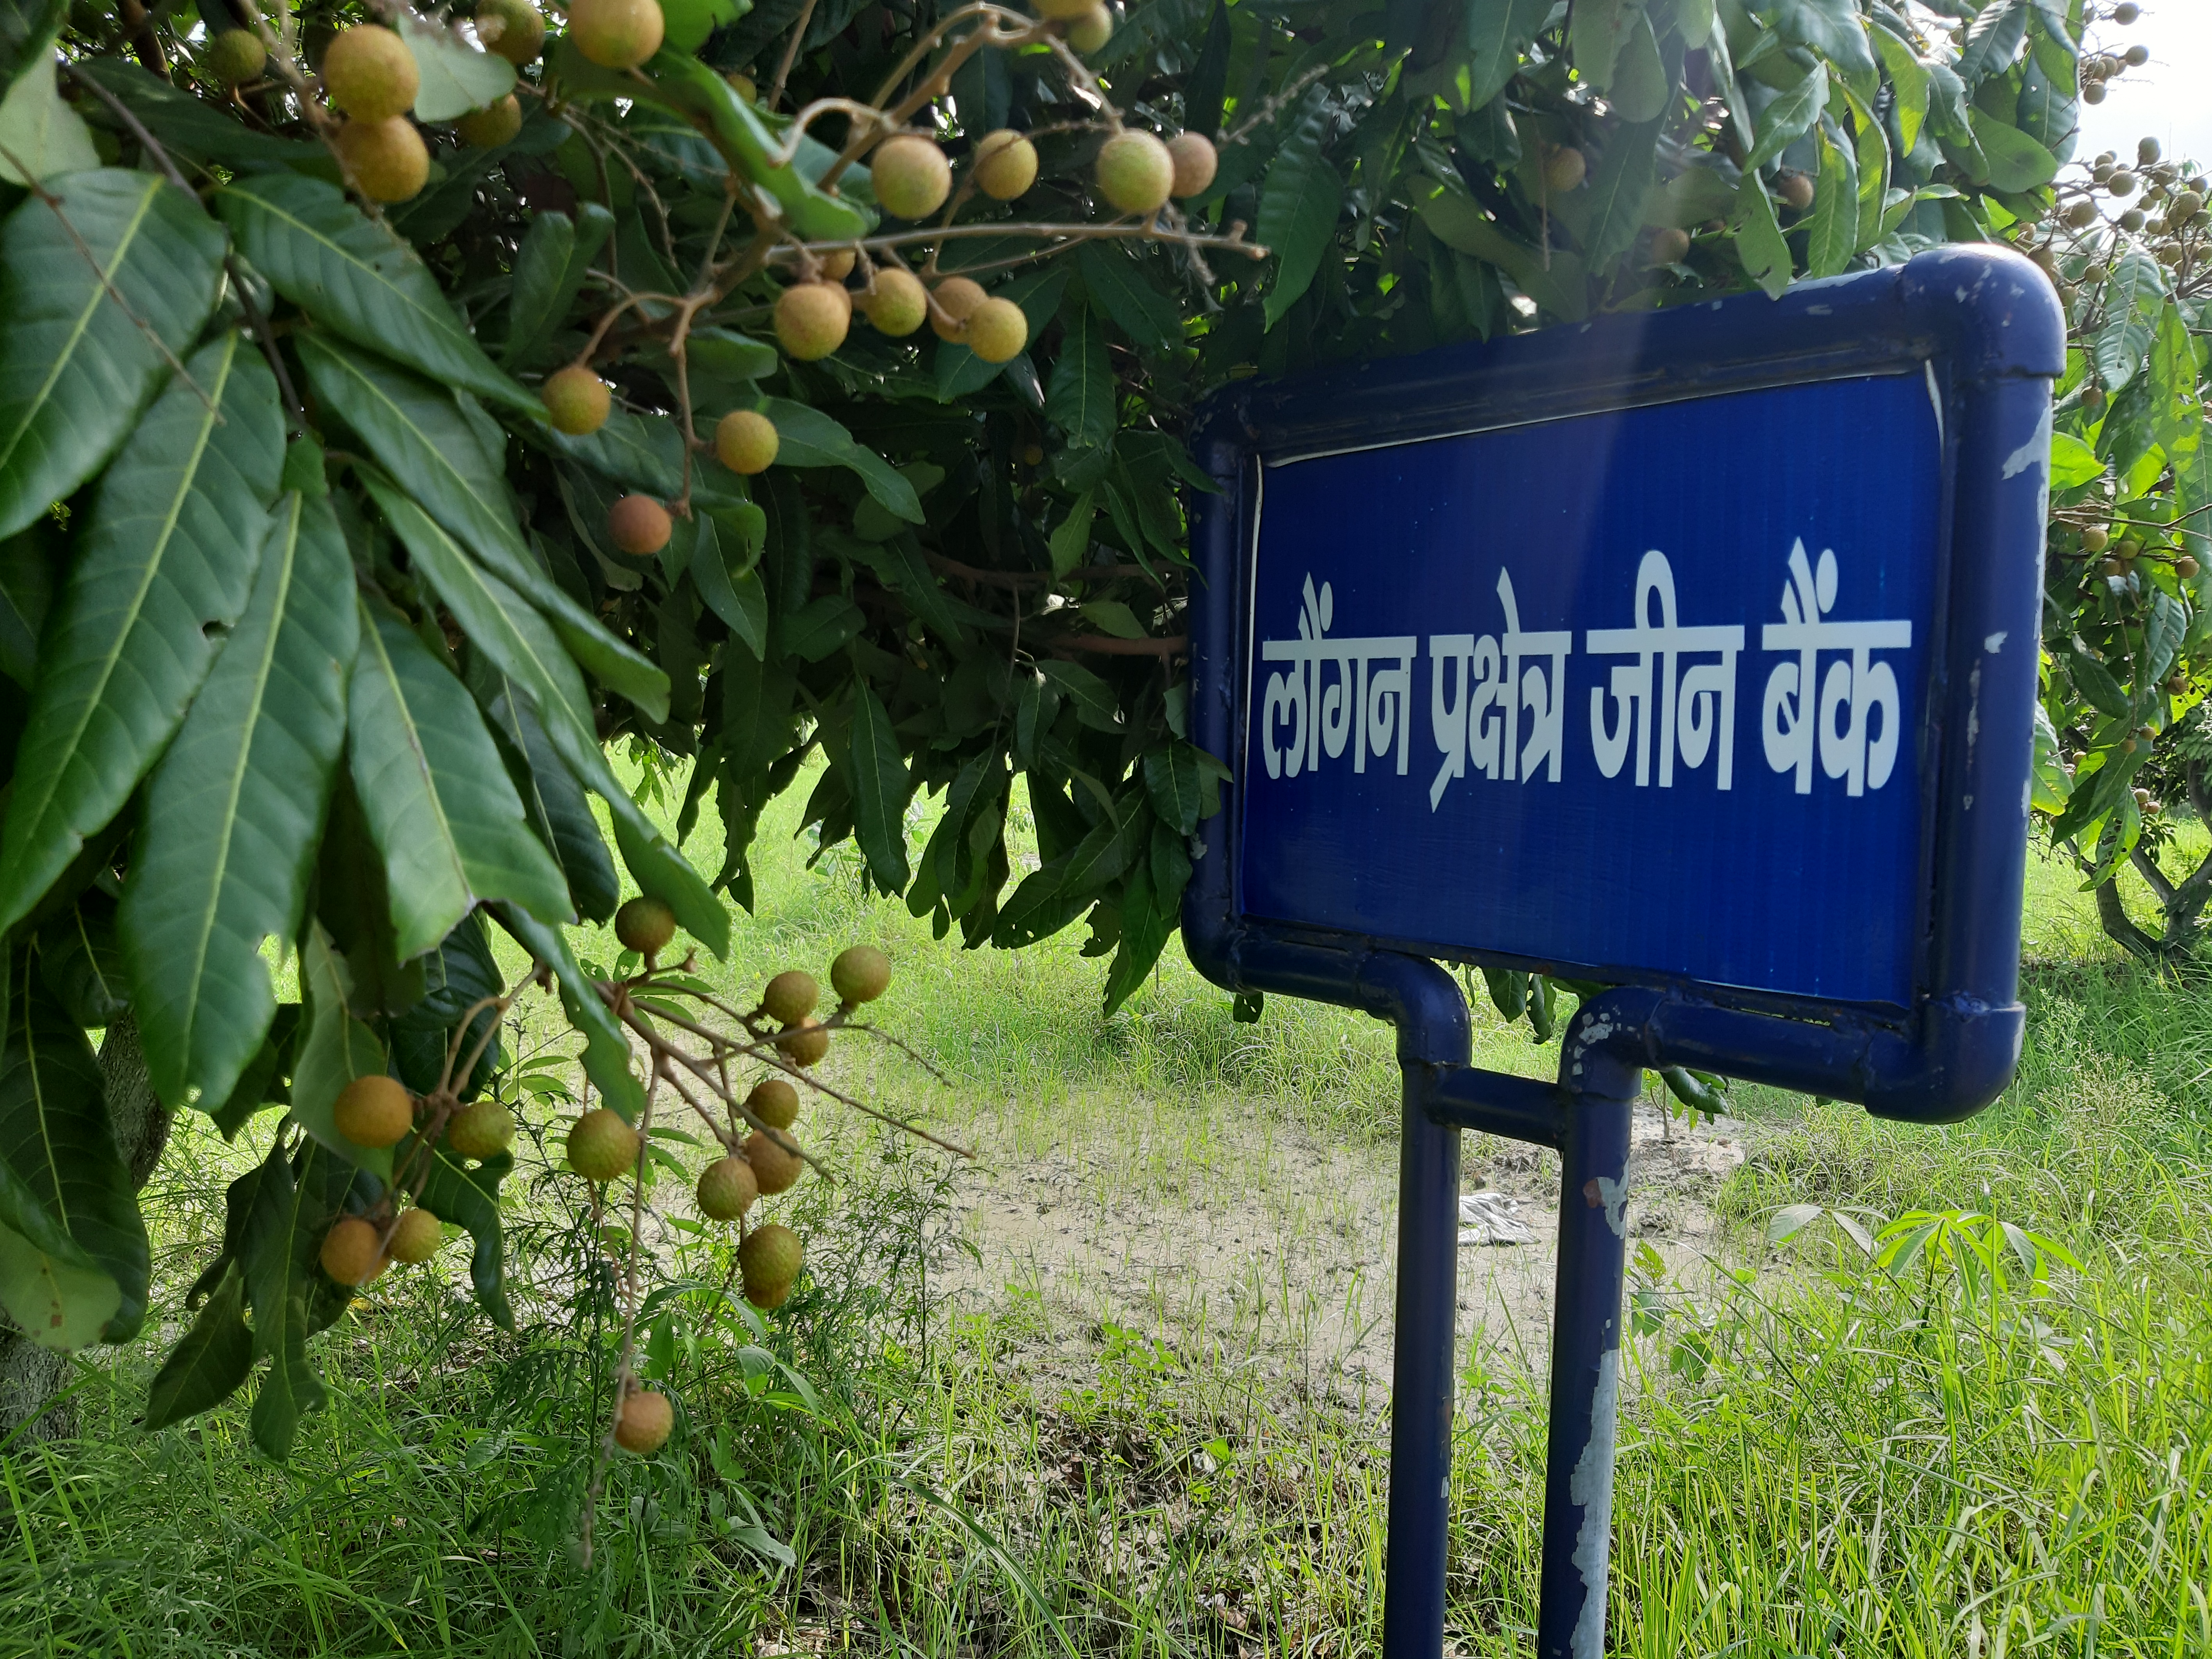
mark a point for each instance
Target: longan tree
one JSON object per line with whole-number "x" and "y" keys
{"x": 401, "y": 410}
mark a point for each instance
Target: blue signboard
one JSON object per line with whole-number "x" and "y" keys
{"x": 1693, "y": 653}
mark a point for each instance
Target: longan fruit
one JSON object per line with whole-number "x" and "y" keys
{"x": 416, "y": 1237}
{"x": 492, "y": 125}
{"x": 646, "y": 1418}
{"x": 235, "y": 56}
{"x": 774, "y": 1103}
{"x": 954, "y": 299}
{"x": 514, "y": 29}
{"x": 373, "y": 1111}
{"x": 1195, "y": 163}
{"x": 617, "y": 34}
{"x": 791, "y": 996}
{"x": 861, "y": 974}
{"x": 370, "y": 74}
{"x": 388, "y": 158}
{"x": 482, "y": 1128}
{"x": 645, "y": 925}
{"x": 804, "y": 1042}
{"x": 639, "y": 526}
{"x": 774, "y": 1170}
{"x": 577, "y": 400}
{"x": 601, "y": 1145}
{"x": 1005, "y": 165}
{"x": 1135, "y": 172}
{"x": 997, "y": 330}
{"x": 769, "y": 1261}
{"x": 911, "y": 176}
{"x": 812, "y": 319}
{"x": 727, "y": 1188}
{"x": 899, "y": 304}
{"x": 746, "y": 441}
{"x": 349, "y": 1253}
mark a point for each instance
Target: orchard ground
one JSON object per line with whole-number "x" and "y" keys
{"x": 1119, "y": 1386}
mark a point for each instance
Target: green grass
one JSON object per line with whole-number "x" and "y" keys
{"x": 1817, "y": 1456}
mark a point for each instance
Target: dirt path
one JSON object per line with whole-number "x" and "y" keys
{"x": 1265, "y": 1243}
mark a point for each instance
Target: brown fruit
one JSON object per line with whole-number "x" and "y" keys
{"x": 899, "y": 305}
{"x": 769, "y": 1261}
{"x": 837, "y": 266}
{"x": 416, "y": 1237}
{"x": 774, "y": 1103}
{"x": 601, "y": 1145}
{"x": 1005, "y": 165}
{"x": 952, "y": 300}
{"x": 803, "y": 1042}
{"x": 1195, "y": 163}
{"x": 790, "y": 996}
{"x": 349, "y": 1253}
{"x": 1798, "y": 191}
{"x": 997, "y": 330}
{"x": 482, "y": 1128}
{"x": 374, "y": 1110}
{"x": 514, "y": 29}
{"x": 776, "y": 1169}
{"x": 387, "y": 158}
{"x": 235, "y": 56}
{"x": 861, "y": 974}
{"x": 643, "y": 1424}
{"x": 639, "y": 526}
{"x": 617, "y": 34}
{"x": 577, "y": 400}
{"x": 645, "y": 925}
{"x": 493, "y": 126}
{"x": 911, "y": 176}
{"x": 1669, "y": 246}
{"x": 1091, "y": 31}
{"x": 812, "y": 319}
{"x": 1135, "y": 171}
{"x": 746, "y": 441}
{"x": 370, "y": 73}
{"x": 727, "y": 1189}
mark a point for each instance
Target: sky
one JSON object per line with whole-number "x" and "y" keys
{"x": 2167, "y": 99}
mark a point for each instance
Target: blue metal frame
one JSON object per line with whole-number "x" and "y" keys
{"x": 1984, "y": 325}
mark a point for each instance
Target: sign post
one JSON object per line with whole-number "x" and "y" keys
{"x": 1693, "y": 652}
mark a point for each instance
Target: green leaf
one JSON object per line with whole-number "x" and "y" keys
{"x": 738, "y": 598}
{"x": 2134, "y": 296}
{"x": 439, "y": 804}
{"x": 550, "y": 268}
{"x": 2073, "y": 463}
{"x": 82, "y": 356}
{"x": 1171, "y": 780}
{"x": 79, "y": 960}
{"x": 293, "y": 1204}
{"x": 1908, "y": 75}
{"x": 452, "y": 77}
{"x": 1497, "y": 31}
{"x": 821, "y": 626}
{"x": 1832, "y": 29}
{"x": 1618, "y": 191}
{"x": 191, "y": 129}
{"x": 1106, "y": 852}
{"x": 41, "y": 137}
{"x": 1641, "y": 88}
{"x": 2177, "y": 416}
{"x": 807, "y": 437}
{"x": 1599, "y": 33}
{"x": 74, "y": 1259}
{"x": 162, "y": 572}
{"x": 1115, "y": 280}
{"x": 643, "y": 452}
{"x": 1833, "y": 231}
{"x": 451, "y": 1191}
{"x": 2016, "y": 161}
{"x": 558, "y": 809}
{"x": 606, "y": 1047}
{"x": 1113, "y": 618}
{"x": 1081, "y": 401}
{"x": 210, "y": 1362}
{"x": 1992, "y": 41}
{"x": 420, "y": 434}
{"x": 867, "y": 754}
{"x": 1759, "y": 240}
{"x": 691, "y": 21}
{"x": 1787, "y": 119}
{"x": 335, "y": 1047}
{"x": 360, "y": 280}
{"x": 1069, "y": 543}
{"x": 234, "y": 812}
{"x": 1094, "y": 701}
{"x": 1299, "y": 203}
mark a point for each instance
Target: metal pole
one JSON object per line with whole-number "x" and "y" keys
{"x": 1422, "y": 1376}
{"x": 1585, "y": 1356}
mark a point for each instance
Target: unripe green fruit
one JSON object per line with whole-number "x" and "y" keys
{"x": 1135, "y": 171}
{"x": 953, "y": 299}
{"x": 775, "y": 1169}
{"x": 234, "y": 56}
{"x": 2184, "y": 566}
{"x": 482, "y": 1128}
{"x": 1091, "y": 31}
{"x": 370, "y": 74}
{"x": 349, "y": 1253}
{"x": 644, "y": 1422}
{"x": 645, "y": 925}
{"x": 387, "y": 158}
{"x": 514, "y": 29}
{"x": 373, "y": 1111}
{"x": 2096, "y": 539}
{"x": 639, "y": 526}
{"x": 812, "y": 319}
{"x": 601, "y": 1145}
{"x": 791, "y": 996}
{"x": 617, "y": 34}
{"x": 803, "y": 1042}
{"x": 577, "y": 400}
{"x": 861, "y": 974}
{"x": 774, "y": 1103}
{"x": 2185, "y": 207}
{"x": 2133, "y": 219}
{"x": 1005, "y": 165}
{"x": 2126, "y": 12}
{"x": 746, "y": 441}
{"x": 911, "y": 176}
{"x": 2092, "y": 92}
{"x": 727, "y": 1189}
{"x": 1564, "y": 169}
{"x": 493, "y": 126}
{"x": 2122, "y": 183}
{"x": 769, "y": 1261}
{"x": 2082, "y": 214}
{"x": 416, "y": 1237}
{"x": 1196, "y": 161}
{"x": 1670, "y": 246}
{"x": 997, "y": 330}
{"x": 899, "y": 305}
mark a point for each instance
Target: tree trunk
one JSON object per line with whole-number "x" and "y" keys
{"x": 30, "y": 1375}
